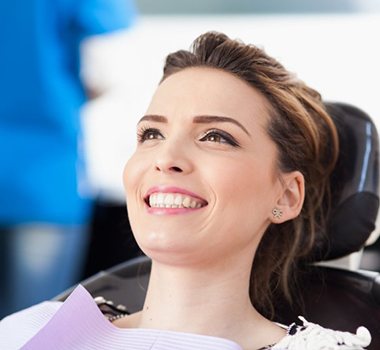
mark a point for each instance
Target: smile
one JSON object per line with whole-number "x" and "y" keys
{"x": 174, "y": 200}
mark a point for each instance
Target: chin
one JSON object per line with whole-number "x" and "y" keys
{"x": 166, "y": 248}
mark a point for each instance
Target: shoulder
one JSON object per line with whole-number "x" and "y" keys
{"x": 18, "y": 328}
{"x": 312, "y": 336}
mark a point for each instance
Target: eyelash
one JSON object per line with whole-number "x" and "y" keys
{"x": 142, "y": 134}
{"x": 225, "y": 138}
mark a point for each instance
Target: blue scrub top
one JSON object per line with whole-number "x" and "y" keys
{"x": 41, "y": 165}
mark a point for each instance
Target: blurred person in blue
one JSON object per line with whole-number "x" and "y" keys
{"x": 45, "y": 204}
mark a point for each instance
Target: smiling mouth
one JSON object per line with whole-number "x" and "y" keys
{"x": 174, "y": 200}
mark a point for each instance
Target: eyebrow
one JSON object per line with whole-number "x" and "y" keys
{"x": 202, "y": 119}
{"x": 153, "y": 118}
{"x": 206, "y": 119}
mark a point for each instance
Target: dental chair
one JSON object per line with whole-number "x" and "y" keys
{"x": 336, "y": 297}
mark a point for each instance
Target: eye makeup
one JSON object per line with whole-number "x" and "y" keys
{"x": 219, "y": 136}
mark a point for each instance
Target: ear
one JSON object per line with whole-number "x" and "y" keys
{"x": 291, "y": 197}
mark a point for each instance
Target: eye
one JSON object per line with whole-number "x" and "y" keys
{"x": 147, "y": 134}
{"x": 219, "y": 136}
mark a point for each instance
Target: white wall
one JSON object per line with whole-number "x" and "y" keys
{"x": 339, "y": 55}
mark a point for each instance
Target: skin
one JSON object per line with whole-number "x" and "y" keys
{"x": 202, "y": 257}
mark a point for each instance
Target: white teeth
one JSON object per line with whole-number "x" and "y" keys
{"x": 186, "y": 202}
{"x": 178, "y": 200}
{"x": 173, "y": 200}
{"x": 168, "y": 200}
{"x": 160, "y": 198}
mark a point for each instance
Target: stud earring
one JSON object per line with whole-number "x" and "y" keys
{"x": 277, "y": 213}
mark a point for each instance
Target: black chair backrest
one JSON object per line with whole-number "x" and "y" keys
{"x": 354, "y": 184}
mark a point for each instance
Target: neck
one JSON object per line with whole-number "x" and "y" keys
{"x": 205, "y": 299}
{"x": 212, "y": 300}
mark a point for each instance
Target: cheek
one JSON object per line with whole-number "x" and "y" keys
{"x": 241, "y": 179}
{"x": 131, "y": 174}
{"x": 245, "y": 187}
{"x": 127, "y": 174}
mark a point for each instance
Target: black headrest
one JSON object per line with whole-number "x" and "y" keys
{"x": 354, "y": 184}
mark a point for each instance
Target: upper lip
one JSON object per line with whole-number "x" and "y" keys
{"x": 172, "y": 189}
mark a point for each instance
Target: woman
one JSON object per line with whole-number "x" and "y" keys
{"x": 232, "y": 167}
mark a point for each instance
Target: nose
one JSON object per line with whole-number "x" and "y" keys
{"x": 173, "y": 159}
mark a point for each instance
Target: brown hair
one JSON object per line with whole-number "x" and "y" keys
{"x": 306, "y": 141}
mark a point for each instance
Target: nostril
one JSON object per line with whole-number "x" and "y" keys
{"x": 169, "y": 169}
{"x": 176, "y": 169}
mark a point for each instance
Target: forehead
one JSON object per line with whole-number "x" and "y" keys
{"x": 203, "y": 90}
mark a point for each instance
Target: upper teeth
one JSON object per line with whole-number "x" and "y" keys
{"x": 173, "y": 200}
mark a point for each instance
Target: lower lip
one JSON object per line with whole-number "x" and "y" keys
{"x": 171, "y": 211}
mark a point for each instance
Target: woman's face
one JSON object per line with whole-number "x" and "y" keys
{"x": 203, "y": 180}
